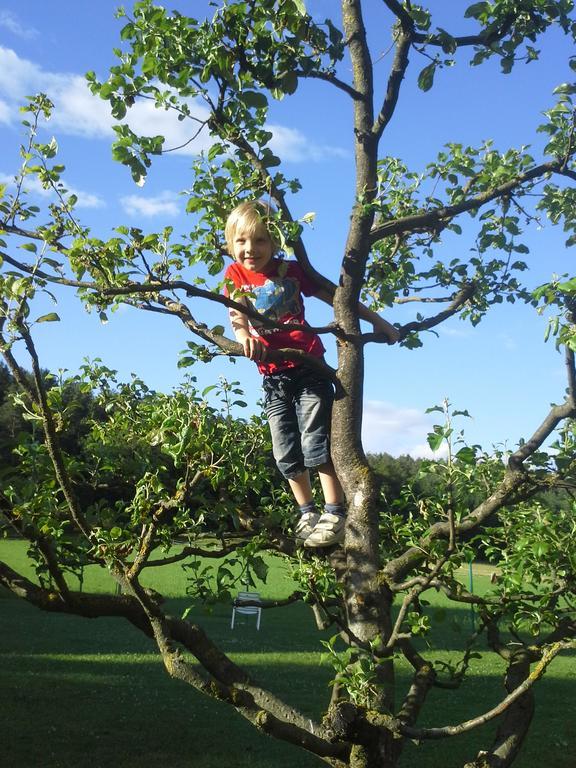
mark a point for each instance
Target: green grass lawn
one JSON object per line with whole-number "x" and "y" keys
{"x": 79, "y": 693}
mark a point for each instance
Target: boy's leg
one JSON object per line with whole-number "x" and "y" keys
{"x": 331, "y": 488}
{"x": 284, "y": 430}
{"x": 301, "y": 488}
{"x": 313, "y": 407}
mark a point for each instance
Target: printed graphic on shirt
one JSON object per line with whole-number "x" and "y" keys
{"x": 277, "y": 299}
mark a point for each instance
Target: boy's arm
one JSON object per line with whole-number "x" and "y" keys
{"x": 252, "y": 345}
{"x": 378, "y": 323}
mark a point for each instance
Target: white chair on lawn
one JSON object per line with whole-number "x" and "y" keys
{"x": 248, "y": 604}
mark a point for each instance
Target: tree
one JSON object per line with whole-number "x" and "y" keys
{"x": 233, "y": 64}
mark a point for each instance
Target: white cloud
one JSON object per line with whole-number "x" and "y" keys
{"x": 423, "y": 451}
{"x": 165, "y": 204}
{"x": 79, "y": 113}
{"x": 16, "y": 74}
{"x": 32, "y": 185}
{"x": 292, "y": 145}
{"x": 10, "y": 21}
{"x": 397, "y": 431}
{"x": 146, "y": 120}
{"x": 86, "y": 199}
{"x": 5, "y": 112}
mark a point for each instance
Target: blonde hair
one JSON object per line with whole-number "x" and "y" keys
{"x": 252, "y": 217}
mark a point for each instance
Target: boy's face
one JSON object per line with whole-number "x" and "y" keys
{"x": 253, "y": 250}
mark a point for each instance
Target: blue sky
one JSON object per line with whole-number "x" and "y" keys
{"x": 502, "y": 372}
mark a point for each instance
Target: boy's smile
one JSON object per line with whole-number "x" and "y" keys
{"x": 253, "y": 250}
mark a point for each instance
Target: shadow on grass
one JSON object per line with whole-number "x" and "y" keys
{"x": 93, "y": 694}
{"x": 89, "y": 693}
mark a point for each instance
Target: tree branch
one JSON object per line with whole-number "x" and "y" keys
{"x": 328, "y": 77}
{"x": 454, "y": 730}
{"x": 399, "y": 67}
{"x": 514, "y": 478}
{"x": 52, "y": 443}
{"x": 483, "y": 39}
{"x": 458, "y": 301}
{"x": 83, "y": 604}
{"x": 440, "y": 217}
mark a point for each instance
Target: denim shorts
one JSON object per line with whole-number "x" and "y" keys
{"x": 298, "y": 404}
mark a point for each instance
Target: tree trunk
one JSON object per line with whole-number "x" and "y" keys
{"x": 368, "y": 602}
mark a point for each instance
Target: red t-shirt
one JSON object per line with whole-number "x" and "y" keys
{"x": 278, "y": 296}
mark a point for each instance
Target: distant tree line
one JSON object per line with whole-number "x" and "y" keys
{"x": 15, "y": 420}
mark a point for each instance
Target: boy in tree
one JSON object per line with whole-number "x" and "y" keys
{"x": 298, "y": 398}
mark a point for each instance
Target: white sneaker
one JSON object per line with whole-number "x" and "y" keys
{"x": 305, "y": 525}
{"x": 328, "y": 530}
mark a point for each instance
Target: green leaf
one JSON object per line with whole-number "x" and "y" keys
{"x": 118, "y": 109}
{"x": 421, "y": 17}
{"x": 289, "y": 83}
{"x": 260, "y": 568}
{"x": 269, "y": 159}
{"x": 466, "y": 455}
{"x": 566, "y": 88}
{"x": 51, "y": 317}
{"x": 426, "y": 77}
{"x": 448, "y": 43}
{"x": 476, "y": 10}
{"x": 435, "y": 440}
{"x": 254, "y": 99}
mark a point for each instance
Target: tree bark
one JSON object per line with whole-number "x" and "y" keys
{"x": 368, "y": 602}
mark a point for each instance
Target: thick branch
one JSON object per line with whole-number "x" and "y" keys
{"x": 259, "y": 705}
{"x": 438, "y": 218}
{"x": 415, "y": 698}
{"x": 83, "y": 604}
{"x": 399, "y": 67}
{"x": 233, "y": 347}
